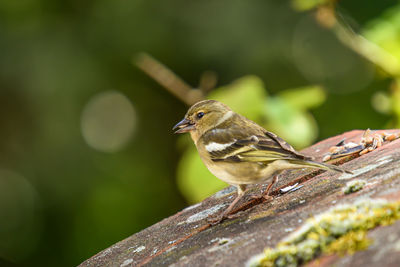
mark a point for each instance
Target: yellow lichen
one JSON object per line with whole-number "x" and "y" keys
{"x": 349, "y": 243}
{"x": 262, "y": 214}
{"x": 340, "y": 230}
{"x": 354, "y": 186}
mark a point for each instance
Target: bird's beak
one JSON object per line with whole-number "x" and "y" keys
{"x": 184, "y": 126}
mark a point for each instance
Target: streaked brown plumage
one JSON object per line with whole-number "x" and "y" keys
{"x": 239, "y": 151}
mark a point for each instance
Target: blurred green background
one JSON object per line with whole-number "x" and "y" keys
{"x": 87, "y": 155}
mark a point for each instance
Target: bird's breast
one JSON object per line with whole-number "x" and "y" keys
{"x": 240, "y": 173}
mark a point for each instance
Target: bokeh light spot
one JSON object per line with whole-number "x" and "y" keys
{"x": 381, "y": 102}
{"x": 108, "y": 121}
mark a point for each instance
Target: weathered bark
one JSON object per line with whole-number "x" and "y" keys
{"x": 186, "y": 239}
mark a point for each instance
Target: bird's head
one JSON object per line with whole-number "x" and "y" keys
{"x": 202, "y": 116}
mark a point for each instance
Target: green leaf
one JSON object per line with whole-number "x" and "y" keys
{"x": 245, "y": 96}
{"x": 297, "y": 127}
{"x": 304, "y": 97}
{"x": 385, "y": 31}
{"x": 303, "y": 5}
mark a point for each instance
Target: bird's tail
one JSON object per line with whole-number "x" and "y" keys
{"x": 320, "y": 165}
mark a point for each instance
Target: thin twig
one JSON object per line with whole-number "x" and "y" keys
{"x": 168, "y": 79}
{"x": 326, "y": 16}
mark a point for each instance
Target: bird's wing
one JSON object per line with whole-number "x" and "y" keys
{"x": 234, "y": 145}
{"x": 284, "y": 145}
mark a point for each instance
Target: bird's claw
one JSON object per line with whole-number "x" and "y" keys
{"x": 219, "y": 219}
{"x": 261, "y": 196}
{"x": 214, "y": 220}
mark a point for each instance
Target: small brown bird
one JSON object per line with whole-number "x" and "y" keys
{"x": 239, "y": 151}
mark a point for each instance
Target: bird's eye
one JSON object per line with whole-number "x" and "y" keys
{"x": 200, "y": 115}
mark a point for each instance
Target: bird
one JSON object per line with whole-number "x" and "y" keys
{"x": 239, "y": 151}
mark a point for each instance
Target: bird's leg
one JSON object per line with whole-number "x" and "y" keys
{"x": 241, "y": 189}
{"x": 266, "y": 192}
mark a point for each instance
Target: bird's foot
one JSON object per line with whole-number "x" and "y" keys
{"x": 234, "y": 215}
{"x": 214, "y": 220}
{"x": 262, "y": 197}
